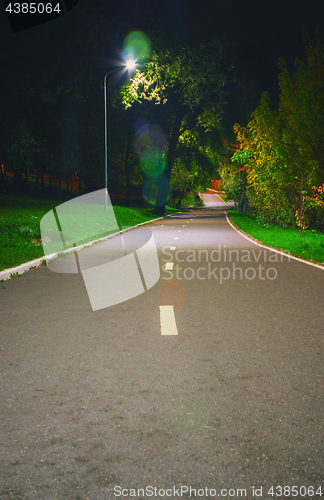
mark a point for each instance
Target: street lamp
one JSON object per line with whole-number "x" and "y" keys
{"x": 130, "y": 65}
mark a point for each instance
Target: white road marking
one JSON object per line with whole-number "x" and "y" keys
{"x": 179, "y": 230}
{"x": 288, "y": 255}
{"x": 168, "y": 266}
{"x": 173, "y": 248}
{"x": 167, "y": 321}
{"x": 183, "y": 225}
{"x": 176, "y": 238}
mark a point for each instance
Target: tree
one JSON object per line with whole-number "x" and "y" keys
{"x": 259, "y": 144}
{"x": 190, "y": 84}
{"x": 51, "y": 100}
{"x": 195, "y": 162}
{"x": 282, "y": 150}
{"x": 301, "y": 117}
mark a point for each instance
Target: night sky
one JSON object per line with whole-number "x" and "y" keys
{"x": 261, "y": 31}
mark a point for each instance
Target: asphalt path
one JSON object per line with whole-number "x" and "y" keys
{"x": 96, "y": 402}
{"x": 213, "y": 200}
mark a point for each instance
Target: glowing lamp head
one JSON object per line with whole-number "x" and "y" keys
{"x": 131, "y": 65}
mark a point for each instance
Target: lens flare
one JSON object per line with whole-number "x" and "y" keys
{"x": 137, "y": 46}
{"x": 153, "y": 162}
{"x": 151, "y": 146}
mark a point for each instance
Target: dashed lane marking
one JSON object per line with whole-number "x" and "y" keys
{"x": 167, "y": 320}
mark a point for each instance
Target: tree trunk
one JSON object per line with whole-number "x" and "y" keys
{"x": 67, "y": 186}
{"x": 163, "y": 186}
{"x": 3, "y": 178}
{"x": 50, "y": 180}
{"x": 178, "y": 205}
{"x": 80, "y": 185}
{"x": 127, "y": 168}
{"x": 17, "y": 179}
{"x": 59, "y": 186}
{"x": 42, "y": 182}
{"x": 26, "y": 179}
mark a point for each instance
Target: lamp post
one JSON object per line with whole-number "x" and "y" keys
{"x": 129, "y": 65}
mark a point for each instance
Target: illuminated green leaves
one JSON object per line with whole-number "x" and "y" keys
{"x": 193, "y": 76}
{"x": 283, "y": 151}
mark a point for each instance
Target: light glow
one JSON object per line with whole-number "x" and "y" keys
{"x": 131, "y": 65}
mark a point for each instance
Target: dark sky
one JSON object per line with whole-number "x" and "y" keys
{"x": 262, "y": 30}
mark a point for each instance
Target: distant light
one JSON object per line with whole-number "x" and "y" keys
{"x": 131, "y": 65}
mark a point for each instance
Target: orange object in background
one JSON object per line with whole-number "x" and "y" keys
{"x": 217, "y": 184}
{"x": 3, "y": 170}
{"x": 75, "y": 178}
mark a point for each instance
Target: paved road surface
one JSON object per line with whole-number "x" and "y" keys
{"x": 213, "y": 200}
{"x": 94, "y": 400}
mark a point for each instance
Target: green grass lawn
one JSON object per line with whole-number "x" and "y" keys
{"x": 310, "y": 246}
{"x": 20, "y": 230}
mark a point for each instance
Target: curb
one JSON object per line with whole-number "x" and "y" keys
{"x": 13, "y": 272}
{"x": 272, "y": 249}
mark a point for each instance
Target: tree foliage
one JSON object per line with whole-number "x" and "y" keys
{"x": 51, "y": 103}
{"x": 282, "y": 151}
{"x": 189, "y": 83}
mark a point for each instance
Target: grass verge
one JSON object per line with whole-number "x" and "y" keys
{"x": 20, "y": 230}
{"x": 224, "y": 197}
{"x": 310, "y": 246}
